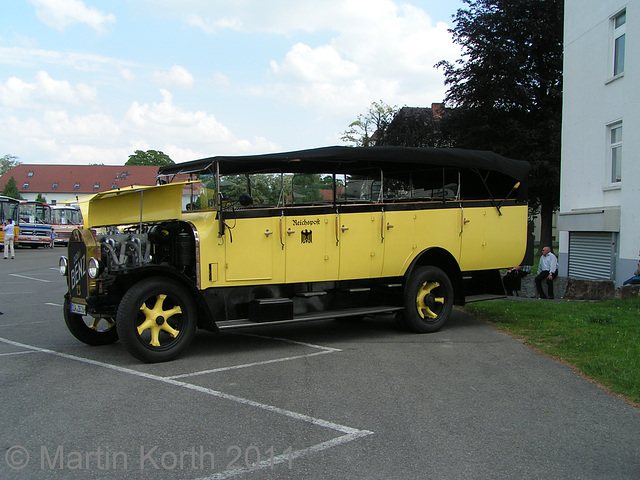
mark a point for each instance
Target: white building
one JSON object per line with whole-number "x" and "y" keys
{"x": 599, "y": 218}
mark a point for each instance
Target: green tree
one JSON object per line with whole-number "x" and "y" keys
{"x": 11, "y": 189}
{"x": 416, "y": 127}
{"x": 507, "y": 89}
{"x": 41, "y": 198}
{"x": 150, "y": 157}
{"x": 7, "y": 163}
{"x": 362, "y": 132}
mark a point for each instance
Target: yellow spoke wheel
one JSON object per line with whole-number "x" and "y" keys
{"x": 428, "y": 300}
{"x": 156, "y": 319}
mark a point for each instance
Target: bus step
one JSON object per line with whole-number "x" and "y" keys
{"x": 311, "y": 294}
{"x": 268, "y": 309}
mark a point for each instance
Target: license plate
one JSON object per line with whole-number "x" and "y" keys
{"x": 79, "y": 308}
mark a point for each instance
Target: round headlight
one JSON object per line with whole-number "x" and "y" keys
{"x": 63, "y": 266}
{"x": 94, "y": 267}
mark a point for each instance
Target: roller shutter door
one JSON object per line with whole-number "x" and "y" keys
{"x": 591, "y": 255}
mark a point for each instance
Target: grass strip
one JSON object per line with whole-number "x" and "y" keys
{"x": 601, "y": 340}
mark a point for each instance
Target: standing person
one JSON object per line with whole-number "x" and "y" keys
{"x": 8, "y": 239}
{"x": 547, "y": 270}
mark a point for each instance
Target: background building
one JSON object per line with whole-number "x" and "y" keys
{"x": 599, "y": 218}
{"x": 58, "y": 183}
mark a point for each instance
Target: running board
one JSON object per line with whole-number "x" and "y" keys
{"x": 309, "y": 317}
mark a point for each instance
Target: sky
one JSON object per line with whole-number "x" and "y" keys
{"x": 92, "y": 81}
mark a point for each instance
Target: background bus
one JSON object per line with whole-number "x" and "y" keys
{"x": 34, "y": 222}
{"x": 8, "y": 211}
{"x": 64, "y": 219}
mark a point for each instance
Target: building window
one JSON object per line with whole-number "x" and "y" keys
{"x": 619, "y": 31}
{"x": 76, "y": 186}
{"x": 96, "y": 186}
{"x": 29, "y": 173}
{"x": 113, "y": 186}
{"x": 615, "y": 151}
{"x": 25, "y": 185}
{"x": 54, "y": 186}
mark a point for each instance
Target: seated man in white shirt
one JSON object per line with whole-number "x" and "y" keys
{"x": 547, "y": 270}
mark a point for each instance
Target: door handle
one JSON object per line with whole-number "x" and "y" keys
{"x": 289, "y": 231}
{"x": 389, "y": 226}
{"x": 344, "y": 229}
{"x": 268, "y": 232}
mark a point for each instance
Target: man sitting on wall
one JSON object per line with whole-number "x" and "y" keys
{"x": 547, "y": 270}
{"x": 512, "y": 280}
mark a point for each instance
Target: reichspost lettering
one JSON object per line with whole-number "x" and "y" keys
{"x": 305, "y": 222}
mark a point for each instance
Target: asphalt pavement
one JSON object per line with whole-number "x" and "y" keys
{"x": 324, "y": 400}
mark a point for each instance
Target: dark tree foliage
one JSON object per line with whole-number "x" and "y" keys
{"x": 415, "y": 127}
{"x": 11, "y": 189}
{"x": 150, "y": 157}
{"x": 507, "y": 89}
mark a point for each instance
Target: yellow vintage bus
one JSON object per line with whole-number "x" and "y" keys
{"x": 296, "y": 236}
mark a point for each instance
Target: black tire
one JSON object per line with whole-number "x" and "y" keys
{"x": 165, "y": 329}
{"x": 428, "y": 300}
{"x": 99, "y": 331}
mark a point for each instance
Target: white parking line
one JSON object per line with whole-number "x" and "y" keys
{"x": 29, "y": 278}
{"x": 324, "y": 350}
{"x": 22, "y": 324}
{"x": 349, "y": 433}
{"x": 246, "y": 365}
{"x": 16, "y": 353}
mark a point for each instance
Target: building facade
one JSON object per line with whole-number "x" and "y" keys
{"x": 60, "y": 183}
{"x": 599, "y": 218}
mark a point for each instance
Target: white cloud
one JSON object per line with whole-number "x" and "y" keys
{"x": 387, "y": 53}
{"x": 315, "y": 65}
{"x": 221, "y": 79}
{"x": 216, "y": 25}
{"x": 276, "y": 16}
{"x": 372, "y": 49}
{"x": 59, "y": 14}
{"x": 177, "y": 75}
{"x": 85, "y": 62}
{"x": 127, "y": 74}
{"x": 44, "y": 90}
{"x": 60, "y": 124}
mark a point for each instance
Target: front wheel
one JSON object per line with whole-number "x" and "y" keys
{"x": 92, "y": 331}
{"x": 156, "y": 320}
{"x": 428, "y": 300}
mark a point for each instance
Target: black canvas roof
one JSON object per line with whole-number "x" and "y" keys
{"x": 347, "y": 159}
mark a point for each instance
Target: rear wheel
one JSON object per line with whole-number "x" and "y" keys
{"x": 428, "y": 300}
{"x": 156, "y": 320}
{"x": 92, "y": 331}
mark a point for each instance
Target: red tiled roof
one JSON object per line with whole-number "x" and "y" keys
{"x": 88, "y": 178}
